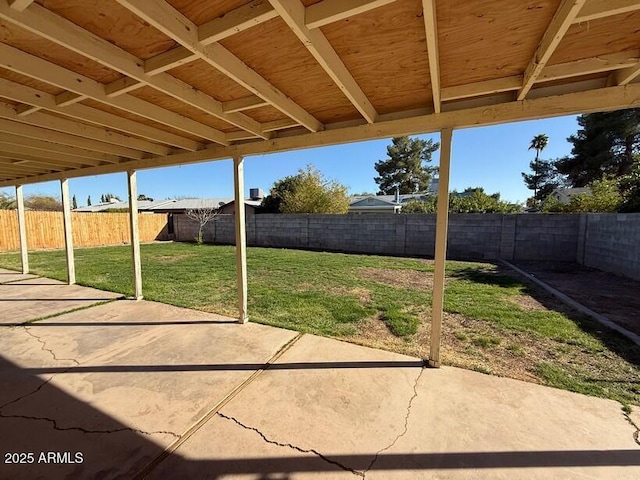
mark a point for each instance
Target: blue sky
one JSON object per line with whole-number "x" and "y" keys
{"x": 489, "y": 157}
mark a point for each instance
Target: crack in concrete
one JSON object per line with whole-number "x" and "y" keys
{"x": 636, "y": 434}
{"x": 45, "y": 349}
{"x": 33, "y": 392}
{"x": 406, "y": 425}
{"x": 84, "y": 430}
{"x": 293, "y": 447}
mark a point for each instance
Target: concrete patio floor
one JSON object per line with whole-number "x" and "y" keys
{"x": 147, "y": 390}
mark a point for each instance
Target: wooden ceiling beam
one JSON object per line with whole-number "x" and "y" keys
{"x": 598, "y": 100}
{"x": 21, "y": 150}
{"x": 329, "y": 11}
{"x": 72, "y": 127}
{"x": 37, "y": 144}
{"x": 279, "y": 125}
{"x": 53, "y": 27}
{"x": 30, "y": 131}
{"x": 595, "y": 9}
{"x": 24, "y": 94}
{"x": 560, "y": 23}
{"x": 20, "y": 5}
{"x": 10, "y": 165}
{"x": 69, "y": 98}
{"x": 586, "y": 66}
{"x": 246, "y": 103}
{"x": 25, "y": 109}
{"x": 293, "y": 13}
{"x": 431, "y": 30}
{"x": 175, "y": 25}
{"x": 625, "y": 76}
{"x": 235, "y": 21}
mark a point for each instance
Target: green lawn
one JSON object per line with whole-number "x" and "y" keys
{"x": 492, "y": 323}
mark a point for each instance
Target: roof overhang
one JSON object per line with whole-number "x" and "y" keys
{"x": 107, "y": 87}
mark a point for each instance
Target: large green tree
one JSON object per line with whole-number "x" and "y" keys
{"x": 43, "y": 202}
{"x": 405, "y": 168}
{"x": 605, "y": 145}
{"x": 7, "y": 201}
{"x": 307, "y": 192}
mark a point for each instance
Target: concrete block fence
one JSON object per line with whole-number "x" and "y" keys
{"x": 609, "y": 242}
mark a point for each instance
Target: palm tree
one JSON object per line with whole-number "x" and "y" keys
{"x": 538, "y": 143}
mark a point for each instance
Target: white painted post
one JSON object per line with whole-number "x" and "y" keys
{"x": 134, "y": 234}
{"x": 442, "y": 221}
{"x": 241, "y": 238}
{"x": 68, "y": 231}
{"x": 22, "y": 229}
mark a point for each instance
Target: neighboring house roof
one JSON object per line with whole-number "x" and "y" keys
{"x": 563, "y": 195}
{"x": 191, "y": 203}
{"x": 143, "y": 205}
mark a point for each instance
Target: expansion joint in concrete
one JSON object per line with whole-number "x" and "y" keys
{"x": 290, "y": 446}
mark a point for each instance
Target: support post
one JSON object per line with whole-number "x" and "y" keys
{"x": 442, "y": 221}
{"x": 22, "y": 229}
{"x": 241, "y": 238}
{"x": 134, "y": 234}
{"x": 68, "y": 231}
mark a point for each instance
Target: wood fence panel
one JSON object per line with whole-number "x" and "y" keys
{"x": 45, "y": 229}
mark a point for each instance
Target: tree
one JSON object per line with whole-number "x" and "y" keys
{"x": 605, "y": 145}
{"x": 89, "y": 201}
{"x": 142, "y": 197}
{"x": 477, "y": 202}
{"x": 405, "y": 168}
{"x": 7, "y": 201}
{"x": 630, "y": 189}
{"x": 604, "y": 196}
{"x": 306, "y": 192}
{"x": 43, "y": 202}
{"x": 74, "y": 202}
{"x": 106, "y": 197}
{"x": 544, "y": 178}
{"x": 202, "y": 215}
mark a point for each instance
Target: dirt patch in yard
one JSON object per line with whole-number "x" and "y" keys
{"x": 611, "y": 295}
{"x": 526, "y": 302}
{"x": 412, "y": 279}
{"x": 173, "y": 258}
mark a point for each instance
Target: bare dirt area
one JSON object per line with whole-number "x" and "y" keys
{"x": 398, "y": 278}
{"x": 616, "y": 297}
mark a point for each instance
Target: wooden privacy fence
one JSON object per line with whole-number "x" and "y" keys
{"x": 45, "y": 229}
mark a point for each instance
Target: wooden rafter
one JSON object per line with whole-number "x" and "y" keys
{"x": 46, "y": 24}
{"x": 20, "y": 5}
{"x": 71, "y": 127}
{"x": 329, "y": 11}
{"x": 585, "y": 66}
{"x": 39, "y": 69}
{"x": 26, "y": 109}
{"x": 245, "y": 103}
{"x": 603, "y": 99}
{"x": 293, "y": 13}
{"x": 172, "y": 23}
{"x": 43, "y": 100}
{"x": 6, "y": 139}
{"x": 560, "y": 23}
{"x": 18, "y": 151}
{"x": 625, "y": 76}
{"x": 595, "y": 9}
{"x": 31, "y": 132}
{"x": 431, "y": 30}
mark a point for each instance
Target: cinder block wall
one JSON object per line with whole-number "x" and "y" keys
{"x": 609, "y": 242}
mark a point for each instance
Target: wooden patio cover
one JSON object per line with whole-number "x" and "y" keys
{"x": 100, "y": 86}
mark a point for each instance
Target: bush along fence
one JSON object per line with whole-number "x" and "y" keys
{"x": 45, "y": 229}
{"x": 609, "y": 242}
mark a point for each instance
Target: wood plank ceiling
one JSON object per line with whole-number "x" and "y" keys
{"x": 98, "y": 86}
